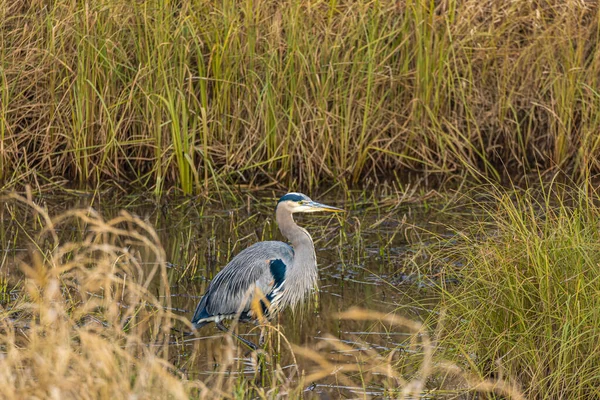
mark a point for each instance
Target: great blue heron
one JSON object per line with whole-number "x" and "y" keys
{"x": 284, "y": 274}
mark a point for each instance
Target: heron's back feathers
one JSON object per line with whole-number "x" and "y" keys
{"x": 262, "y": 265}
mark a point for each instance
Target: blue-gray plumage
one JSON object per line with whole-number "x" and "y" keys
{"x": 284, "y": 274}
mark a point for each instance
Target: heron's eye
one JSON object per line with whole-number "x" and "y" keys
{"x": 302, "y": 202}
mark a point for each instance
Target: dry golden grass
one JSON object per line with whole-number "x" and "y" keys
{"x": 370, "y": 365}
{"x": 84, "y": 324}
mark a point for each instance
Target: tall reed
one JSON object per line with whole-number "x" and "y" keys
{"x": 193, "y": 93}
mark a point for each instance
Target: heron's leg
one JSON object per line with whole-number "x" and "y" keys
{"x": 241, "y": 339}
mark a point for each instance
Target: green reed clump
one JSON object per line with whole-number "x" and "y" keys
{"x": 193, "y": 93}
{"x": 527, "y": 305}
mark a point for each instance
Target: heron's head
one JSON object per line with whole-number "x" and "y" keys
{"x": 301, "y": 203}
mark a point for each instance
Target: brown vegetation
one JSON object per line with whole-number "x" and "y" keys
{"x": 193, "y": 94}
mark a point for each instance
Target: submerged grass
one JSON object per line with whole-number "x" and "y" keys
{"x": 528, "y": 302}
{"x": 192, "y": 93}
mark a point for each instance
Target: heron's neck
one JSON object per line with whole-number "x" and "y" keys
{"x": 302, "y": 274}
{"x": 298, "y": 236}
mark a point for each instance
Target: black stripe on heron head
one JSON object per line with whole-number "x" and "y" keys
{"x": 277, "y": 268}
{"x": 293, "y": 197}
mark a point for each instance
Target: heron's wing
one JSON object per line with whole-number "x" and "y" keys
{"x": 231, "y": 290}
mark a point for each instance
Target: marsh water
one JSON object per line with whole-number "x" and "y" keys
{"x": 367, "y": 257}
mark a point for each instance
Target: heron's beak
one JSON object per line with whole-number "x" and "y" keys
{"x": 313, "y": 206}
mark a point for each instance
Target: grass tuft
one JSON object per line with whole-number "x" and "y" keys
{"x": 527, "y": 304}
